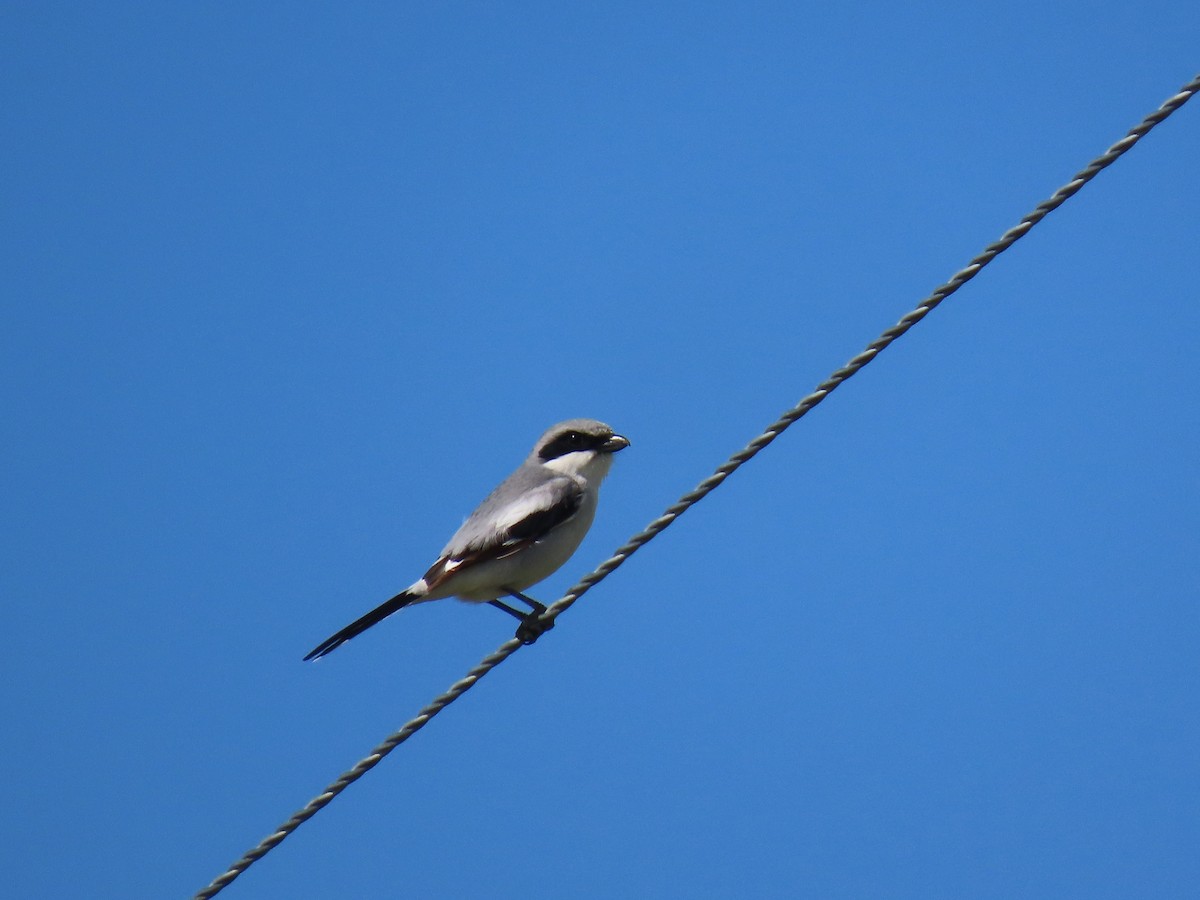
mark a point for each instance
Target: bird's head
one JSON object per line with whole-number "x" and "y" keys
{"x": 579, "y": 447}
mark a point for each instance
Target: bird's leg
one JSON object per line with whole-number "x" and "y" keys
{"x": 532, "y": 626}
{"x": 538, "y": 608}
{"x": 515, "y": 613}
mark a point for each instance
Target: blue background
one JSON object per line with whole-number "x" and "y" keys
{"x": 289, "y": 287}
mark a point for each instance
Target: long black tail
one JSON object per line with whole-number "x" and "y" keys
{"x": 378, "y": 614}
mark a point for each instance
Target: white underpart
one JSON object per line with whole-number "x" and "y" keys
{"x": 418, "y": 589}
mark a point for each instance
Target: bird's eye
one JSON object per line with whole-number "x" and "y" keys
{"x": 566, "y": 442}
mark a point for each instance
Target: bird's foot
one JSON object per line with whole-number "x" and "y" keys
{"x": 532, "y": 627}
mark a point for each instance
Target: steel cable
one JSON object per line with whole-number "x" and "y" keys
{"x": 709, "y": 484}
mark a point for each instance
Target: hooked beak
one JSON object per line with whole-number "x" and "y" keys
{"x": 615, "y": 443}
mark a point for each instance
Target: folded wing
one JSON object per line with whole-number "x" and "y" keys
{"x": 497, "y": 530}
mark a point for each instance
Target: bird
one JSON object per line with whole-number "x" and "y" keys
{"x": 519, "y": 535}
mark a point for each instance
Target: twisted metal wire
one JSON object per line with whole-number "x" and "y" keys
{"x": 776, "y": 428}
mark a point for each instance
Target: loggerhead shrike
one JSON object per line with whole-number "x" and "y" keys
{"x": 526, "y": 528}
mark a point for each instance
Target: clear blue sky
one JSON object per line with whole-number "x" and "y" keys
{"x": 288, "y": 287}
